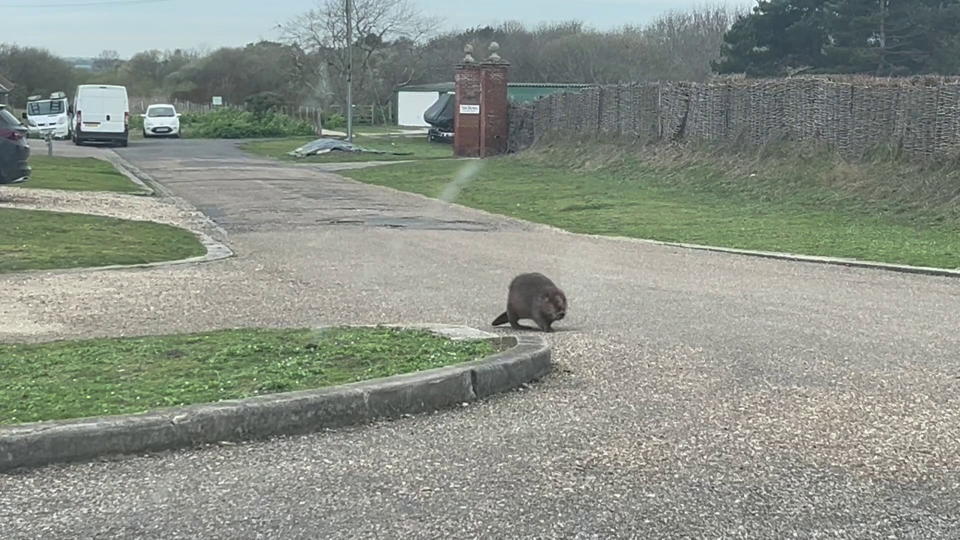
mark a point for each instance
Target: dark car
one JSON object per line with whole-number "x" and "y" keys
{"x": 14, "y": 149}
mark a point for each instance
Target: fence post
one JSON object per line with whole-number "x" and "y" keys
{"x": 659, "y": 111}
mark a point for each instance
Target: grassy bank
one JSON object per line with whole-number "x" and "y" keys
{"x": 76, "y": 174}
{"x": 801, "y": 201}
{"x": 114, "y": 376}
{"x": 408, "y": 147}
{"x": 38, "y": 240}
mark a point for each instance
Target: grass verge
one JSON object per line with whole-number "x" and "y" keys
{"x": 75, "y": 379}
{"x": 411, "y": 147}
{"x": 39, "y": 240}
{"x": 77, "y": 174}
{"x": 807, "y": 202}
{"x": 363, "y": 130}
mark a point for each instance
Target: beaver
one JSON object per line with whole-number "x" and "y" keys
{"x": 533, "y": 296}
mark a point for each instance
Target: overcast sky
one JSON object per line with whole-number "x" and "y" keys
{"x": 86, "y": 27}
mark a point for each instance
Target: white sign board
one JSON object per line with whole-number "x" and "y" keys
{"x": 469, "y": 109}
{"x": 217, "y": 100}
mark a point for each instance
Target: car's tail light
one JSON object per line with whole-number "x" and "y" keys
{"x": 11, "y": 135}
{"x": 79, "y": 119}
{"x": 126, "y": 119}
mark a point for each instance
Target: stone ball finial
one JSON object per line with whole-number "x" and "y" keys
{"x": 493, "y": 48}
{"x": 468, "y": 54}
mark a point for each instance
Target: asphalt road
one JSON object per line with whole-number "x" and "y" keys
{"x": 697, "y": 395}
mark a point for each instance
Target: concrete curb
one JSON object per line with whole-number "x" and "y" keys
{"x": 836, "y": 261}
{"x": 524, "y": 358}
{"x": 815, "y": 259}
{"x": 215, "y": 251}
{"x": 161, "y": 190}
{"x": 131, "y": 170}
{"x": 122, "y": 167}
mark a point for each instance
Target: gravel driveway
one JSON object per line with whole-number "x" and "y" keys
{"x": 697, "y": 394}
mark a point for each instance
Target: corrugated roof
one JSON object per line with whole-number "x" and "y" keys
{"x": 434, "y": 87}
{"x": 449, "y": 86}
{"x": 549, "y": 85}
{"x": 5, "y": 84}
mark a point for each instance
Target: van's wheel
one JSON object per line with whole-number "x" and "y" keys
{"x": 123, "y": 143}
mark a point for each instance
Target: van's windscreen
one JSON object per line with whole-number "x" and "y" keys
{"x": 37, "y": 108}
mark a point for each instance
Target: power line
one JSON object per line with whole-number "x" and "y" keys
{"x": 85, "y": 4}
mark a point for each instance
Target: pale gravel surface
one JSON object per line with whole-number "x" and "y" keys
{"x": 115, "y": 205}
{"x": 168, "y": 210}
{"x": 697, "y": 394}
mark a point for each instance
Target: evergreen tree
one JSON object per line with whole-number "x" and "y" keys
{"x": 882, "y": 37}
{"x": 779, "y": 37}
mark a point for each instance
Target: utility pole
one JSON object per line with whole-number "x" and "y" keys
{"x": 350, "y": 70}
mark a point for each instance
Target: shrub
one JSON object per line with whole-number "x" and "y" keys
{"x": 136, "y": 122}
{"x": 334, "y": 121}
{"x": 264, "y": 102}
{"x": 237, "y": 124}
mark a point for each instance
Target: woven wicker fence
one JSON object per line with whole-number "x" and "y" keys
{"x": 921, "y": 116}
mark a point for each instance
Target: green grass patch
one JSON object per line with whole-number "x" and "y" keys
{"x": 808, "y": 203}
{"x": 76, "y": 174}
{"x": 411, "y": 147}
{"x": 75, "y": 379}
{"x": 38, "y": 240}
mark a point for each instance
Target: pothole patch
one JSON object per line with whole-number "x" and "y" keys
{"x": 414, "y": 223}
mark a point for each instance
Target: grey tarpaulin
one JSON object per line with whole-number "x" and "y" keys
{"x": 326, "y": 145}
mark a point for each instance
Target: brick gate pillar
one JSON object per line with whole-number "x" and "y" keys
{"x": 481, "y": 112}
{"x": 466, "y": 138}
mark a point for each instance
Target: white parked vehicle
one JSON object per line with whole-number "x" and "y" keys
{"x": 101, "y": 113}
{"x": 161, "y": 120}
{"x": 48, "y": 115}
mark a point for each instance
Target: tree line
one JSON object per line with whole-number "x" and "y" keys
{"x": 394, "y": 44}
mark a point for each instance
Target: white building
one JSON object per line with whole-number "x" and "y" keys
{"x": 413, "y": 100}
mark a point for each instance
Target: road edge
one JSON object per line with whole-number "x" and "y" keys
{"x": 777, "y": 255}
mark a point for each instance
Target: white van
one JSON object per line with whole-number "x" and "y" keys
{"x": 100, "y": 113}
{"x": 48, "y": 115}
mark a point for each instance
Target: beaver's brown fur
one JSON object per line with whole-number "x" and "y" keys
{"x": 533, "y": 296}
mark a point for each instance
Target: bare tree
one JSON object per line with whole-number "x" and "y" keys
{"x": 108, "y": 60}
{"x": 377, "y": 26}
{"x": 681, "y": 45}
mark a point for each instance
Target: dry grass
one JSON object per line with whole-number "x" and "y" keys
{"x": 882, "y": 180}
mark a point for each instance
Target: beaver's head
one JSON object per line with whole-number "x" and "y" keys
{"x": 553, "y": 305}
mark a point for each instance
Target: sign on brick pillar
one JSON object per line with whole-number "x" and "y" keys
{"x": 466, "y": 140}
